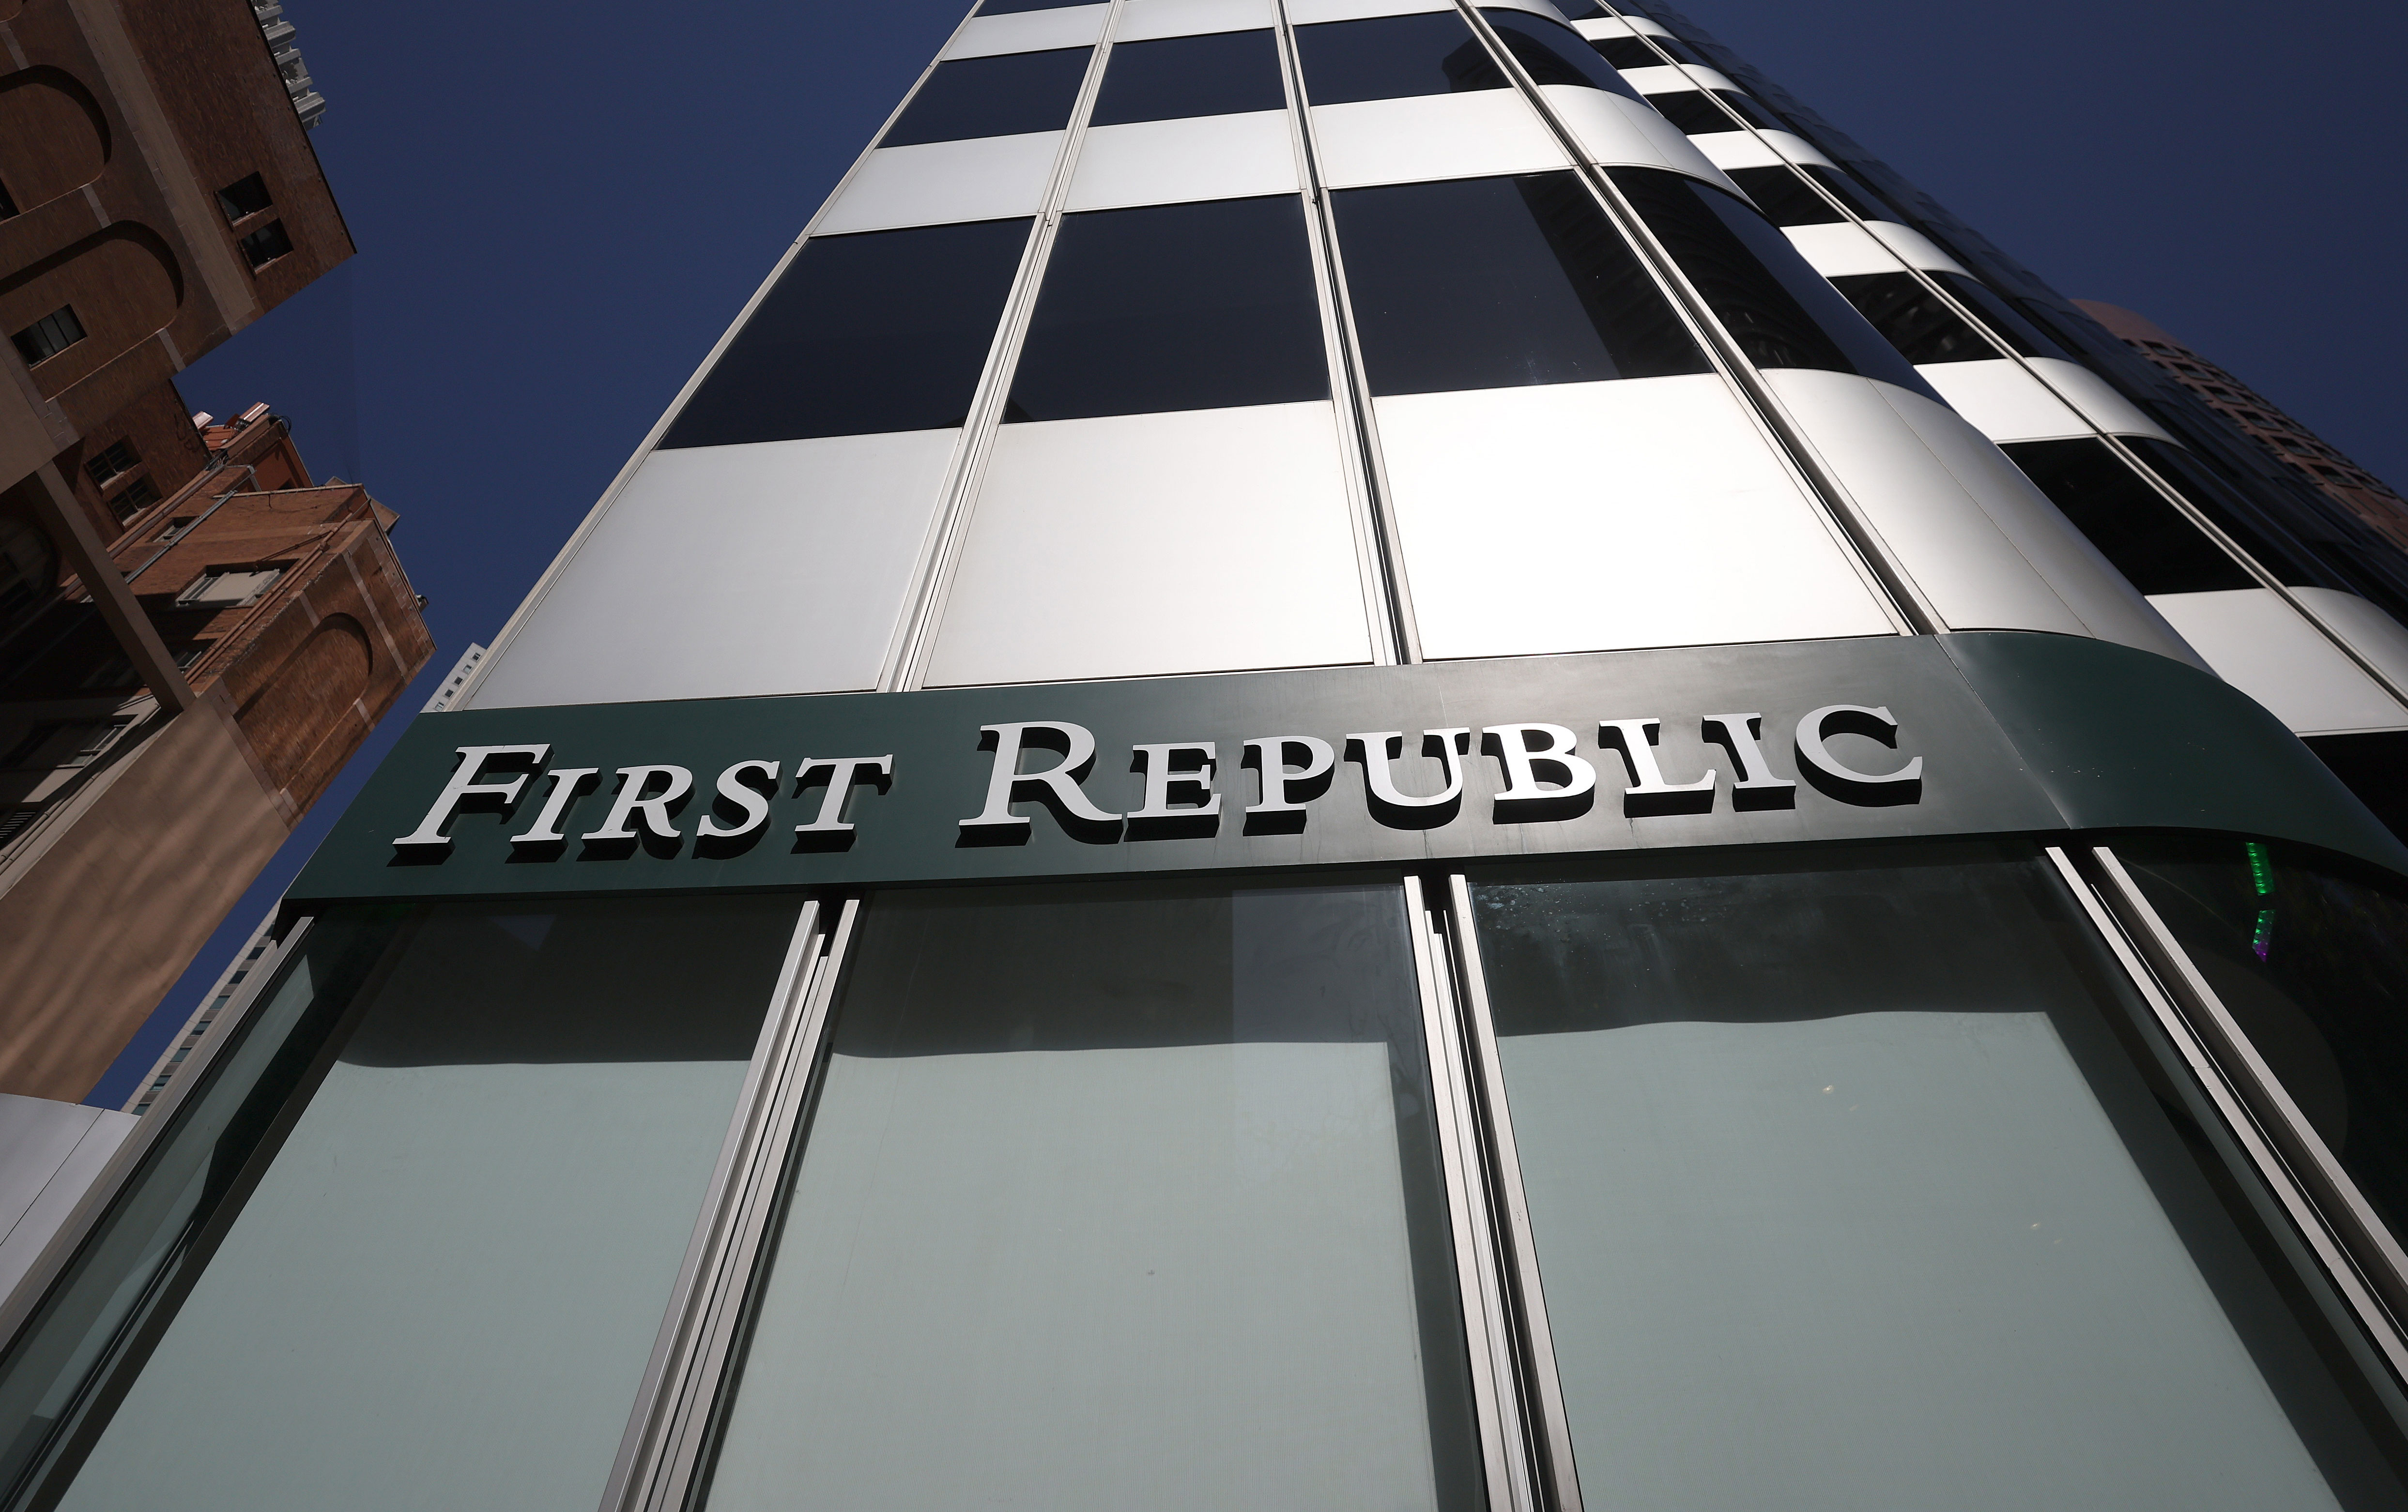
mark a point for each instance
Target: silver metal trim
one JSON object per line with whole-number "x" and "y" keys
{"x": 666, "y": 1430}
{"x": 2152, "y": 960}
{"x": 21, "y": 1303}
{"x": 1487, "y": 1323}
{"x": 1553, "y": 1439}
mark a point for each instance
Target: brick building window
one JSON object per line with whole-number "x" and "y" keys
{"x": 227, "y": 588}
{"x": 244, "y": 196}
{"x": 266, "y": 244}
{"x": 49, "y": 335}
{"x": 138, "y": 495}
{"x": 115, "y": 458}
{"x": 8, "y": 205}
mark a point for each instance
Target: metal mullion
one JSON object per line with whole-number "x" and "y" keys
{"x": 2278, "y": 1179}
{"x": 1487, "y": 1327}
{"x": 1381, "y": 546}
{"x": 1553, "y": 1436}
{"x": 668, "y": 1427}
{"x": 914, "y": 639}
{"x": 2377, "y": 1252}
{"x": 1902, "y": 601}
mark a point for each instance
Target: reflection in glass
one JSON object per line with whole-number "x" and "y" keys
{"x": 1218, "y": 74}
{"x": 1554, "y": 53}
{"x": 1008, "y": 94}
{"x": 1848, "y": 1194}
{"x": 443, "y": 1289}
{"x": 1915, "y": 320}
{"x": 2313, "y": 963}
{"x": 881, "y": 331}
{"x": 2149, "y": 540}
{"x": 1110, "y": 1200}
{"x": 1488, "y": 283}
{"x": 1393, "y": 57}
{"x": 1174, "y": 306}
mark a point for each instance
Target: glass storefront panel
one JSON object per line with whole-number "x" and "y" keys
{"x": 2311, "y": 962}
{"x": 1114, "y": 1198}
{"x": 1849, "y": 1191}
{"x": 443, "y": 1289}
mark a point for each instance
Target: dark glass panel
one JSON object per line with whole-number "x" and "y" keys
{"x": 1011, "y": 8}
{"x": 1580, "y": 9}
{"x": 1554, "y": 53}
{"x": 2313, "y": 963}
{"x": 2002, "y": 1239}
{"x": 2375, "y": 766}
{"x": 1785, "y": 197}
{"x": 1918, "y": 322}
{"x": 1481, "y": 283}
{"x": 1005, "y": 95}
{"x": 885, "y": 331}
{"x": 1781, "y": 311}
{"x": 1867, "y": 205}
{"x": 1627, "y": 53}
{"x": 2214, "y": 499}
{"x": 1749, "y": 111}
{"x": 1174, "y": 306}
{"x": 1390, "y": 57}
{"x": 1680, "y": 51}
{"x": 1694, "y": 111}
{"x": 1220, "y": 74}
{"x": 2149, "y": 540}
{"x": 2002, "y": 319}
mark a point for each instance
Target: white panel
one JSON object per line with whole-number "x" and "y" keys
{"x": 1580, "y": 517}
{"x": 983, "y": 179}
{"x": 1982, "y": 543}
{"x": 1671, "y": 79}
{"x": 1842, "y": 249}
{"x": 2090, "y": 393}
{"x": 1028, "y": 31}
{"x": 1613, "y": 26}
{"x": 1203, "y": 540}
{"x": 1737, "y": 149}
{"x": 2003, "y": 401}
{"x": 2370, "y": 633}
{"x": 49, "y": 1155}
{"x": 1432, "y": 136}
{"x": 730, "y": 572}
{"x": 1307, "y": 12}
{"x": 1144, "y": 19}
{"x": 1196, "y": 157}
{"x": 1913, "y": 246}
{"x": 1616, "y": 132}
{"x": 2259, "y": 644}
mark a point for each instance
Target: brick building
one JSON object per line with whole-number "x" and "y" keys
{"x": 195, "y": 632}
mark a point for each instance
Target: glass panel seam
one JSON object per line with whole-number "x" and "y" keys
{"x": 914, "y": 640}
{"x": 1487, "y": 1329}
{"x": 1892, "y": 586}
{"x": 1553, "y": 1436}
{"x": 2109, "y": 901}
{"x": 673, "y": 1408}
{"x": 1379, "y": 548}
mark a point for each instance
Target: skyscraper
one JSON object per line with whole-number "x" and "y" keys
{"x": 1447, "y": 769}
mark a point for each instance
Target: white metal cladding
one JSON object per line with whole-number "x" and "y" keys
{"x": 988, "y": 548}
{"x": 2259, "y": 644}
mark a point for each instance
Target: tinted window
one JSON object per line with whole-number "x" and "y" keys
{"x": 1915, "y": 320}
{"x": 1785, "y": 197}
{"x": 1390, "y": 57}
{"x": 1852, "y": 193}
{"x": 1680, "y": 51}
{"x": 1553, "y": 53}
{"x": 1580, "y": 9}
{"x": 2010, "y": 327}
{"x": 1174, "y": 306}
{"x": 999, "y": 96}
{"x": 881, "y": 332}
{"x": 1627, "y": 53}
{"x": 2214, "y": 500}
{"x": 1749, "y": 111}
{"x": 1483, "y": 283}
{"x": 1217, "y": 75}
{"x": 2147, "y": 539}
{"x": 1007, "y": 7}
{"x": 1781, "y": 312}
{"x": 1694, "y": 111}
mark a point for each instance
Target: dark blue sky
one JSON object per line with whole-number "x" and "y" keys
{"x": 559, "y": 206}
